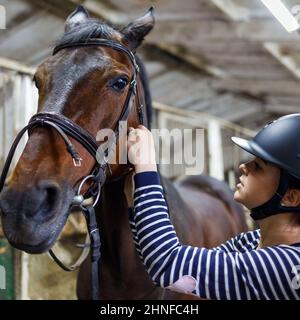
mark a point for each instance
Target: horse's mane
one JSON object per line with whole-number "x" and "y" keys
{"x": 99, "y": 29}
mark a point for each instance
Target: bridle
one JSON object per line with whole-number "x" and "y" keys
{"x": 66, "y": 127}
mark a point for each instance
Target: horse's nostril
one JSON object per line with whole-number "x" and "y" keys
{"x": 51, "y": 190}
{"x": 48, "y": 192}
{"x": 52, "y": 193}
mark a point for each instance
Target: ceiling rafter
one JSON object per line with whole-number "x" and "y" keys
{"x": 285, "y": 59}
{"x": 102, "y": 11}
{"x": 238, "y": 13}
{"x": 237, "y": 47}
{"x": 257, "y": 87}
{"x": 196, "y": 61}
{"x": 232, "y": 10}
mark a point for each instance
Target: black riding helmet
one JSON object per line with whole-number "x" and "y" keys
{"x": 278, "y": 143}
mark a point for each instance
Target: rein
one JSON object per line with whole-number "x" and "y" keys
{"x": 65, "y": 127}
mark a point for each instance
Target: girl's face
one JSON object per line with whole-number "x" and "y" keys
{"x": 258, "y": 183}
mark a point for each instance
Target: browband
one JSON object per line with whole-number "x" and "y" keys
{"x": 99, "y": 42}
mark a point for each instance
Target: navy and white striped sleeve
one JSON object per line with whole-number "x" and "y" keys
{"x": 243, "y": 242}
{"x": 133, "y": 230}
{"x": 213, "y": 274}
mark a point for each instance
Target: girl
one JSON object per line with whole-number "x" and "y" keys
{"x": 260, "y": 264}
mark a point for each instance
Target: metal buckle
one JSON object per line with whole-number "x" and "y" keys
{"x": 77, "y": 162}
{"x": 133, "y": 85}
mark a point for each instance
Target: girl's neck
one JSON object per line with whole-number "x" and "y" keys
{"x": 280, "y": 229}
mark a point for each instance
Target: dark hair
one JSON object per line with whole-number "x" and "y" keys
{"x": 294, "y": 183}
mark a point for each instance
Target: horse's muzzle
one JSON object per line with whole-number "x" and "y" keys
{"x": 33, "y": 219}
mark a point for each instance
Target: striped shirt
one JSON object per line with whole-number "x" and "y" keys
{"x": 234, "y": 270}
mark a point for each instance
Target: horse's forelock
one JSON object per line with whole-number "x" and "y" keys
{"x": 87, "y": 30}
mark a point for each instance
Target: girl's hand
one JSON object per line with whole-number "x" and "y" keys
{"x": 140, "y": 148}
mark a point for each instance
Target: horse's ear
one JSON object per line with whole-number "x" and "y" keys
{"x": 135, "y": 31}
{"x": 76, "y": 18}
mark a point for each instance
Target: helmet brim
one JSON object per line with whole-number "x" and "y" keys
{"x": 243, "y": 143}
{"x": 253, "y": 148}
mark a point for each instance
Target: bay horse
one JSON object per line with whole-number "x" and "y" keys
{"x": 88, "y": 84}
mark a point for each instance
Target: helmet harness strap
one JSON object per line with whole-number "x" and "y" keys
{"x": 274, "y": 206}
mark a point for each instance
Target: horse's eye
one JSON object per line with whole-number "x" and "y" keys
{"x": 120, "y": 83}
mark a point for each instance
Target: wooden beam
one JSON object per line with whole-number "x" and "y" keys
{"x": 102, "y": 10}
{"x": 258, "y": 30}
{"x": 98, "y": 9}
{"x": 61, "y": 9}
{"x": 28, "y": 38}
{"x": 196, "y": 31}
{"x": 282, "y": 109}
{"x": 15, "y": 66}
{"x": 182, "y": 17}
{"x": 233, "y": 47}
{"x": 257, "y": 87}
{"x": 232, "y": 10}
{"x": 243, "y": 59}
{"x": 285, "y": 59}
{"x": 196, "y": 61}
{"x": 283, "y": 100}
{"x": 200, "y": 116}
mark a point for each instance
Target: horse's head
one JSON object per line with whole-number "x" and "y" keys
{"x": 88, "y": 85}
